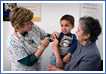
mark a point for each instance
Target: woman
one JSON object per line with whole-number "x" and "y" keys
{"x": 86, "y": 57}
{"x": 27, "y": 43}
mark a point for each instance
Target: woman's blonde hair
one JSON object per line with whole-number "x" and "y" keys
{"x": 19, "y": 16}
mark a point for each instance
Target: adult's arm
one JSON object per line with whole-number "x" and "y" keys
{"x": 87, "y": 63}
{"x": 31, "y": 59}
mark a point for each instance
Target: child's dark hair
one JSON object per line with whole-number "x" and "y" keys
{"x": 69, "y": 18}
{"x": 91, "y": 26}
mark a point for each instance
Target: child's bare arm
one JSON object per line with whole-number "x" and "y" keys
{"x": 55, "y": 50}
{"x": 59, "y": 62}
{"x": 67, "y": 58}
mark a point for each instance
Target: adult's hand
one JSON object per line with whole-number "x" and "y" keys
{"x": 55, "y": 35}
{"x": 67, "y": 58}
{"x": 53, "y": 68}
{"x": 45, "y": 42}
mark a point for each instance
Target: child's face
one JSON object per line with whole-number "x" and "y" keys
{"x": 66, "y": 26}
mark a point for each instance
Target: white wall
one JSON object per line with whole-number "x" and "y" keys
{"x": 50, "y": 15}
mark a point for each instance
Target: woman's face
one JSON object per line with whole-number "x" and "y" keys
{"x": 82, "y": 36}
{"x": 28, "y": 26}
{"x": 66, "y": 26}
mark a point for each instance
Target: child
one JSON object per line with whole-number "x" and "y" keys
{"x": 67, "y": 41}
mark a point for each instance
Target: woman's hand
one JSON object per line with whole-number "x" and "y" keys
{"x": 67, "y": 58}
{"x": 55, "y": 35}
{"x": 53, "y": 68}
{"x": 45, "y": 42}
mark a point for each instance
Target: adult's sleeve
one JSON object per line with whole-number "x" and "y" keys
{"x": 29, "y": 60}
{"x": 88, "y": 64}
{"x": 19, "y": 53}
{"x": 43, "y": 34}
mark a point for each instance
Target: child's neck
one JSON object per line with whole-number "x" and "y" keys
{"x": 67, "y": 33}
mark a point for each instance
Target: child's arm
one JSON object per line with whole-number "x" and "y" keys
{"x": 56, "y": 52}
{"x": 67, "y": 58}
{"x": 59, "y": 62}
